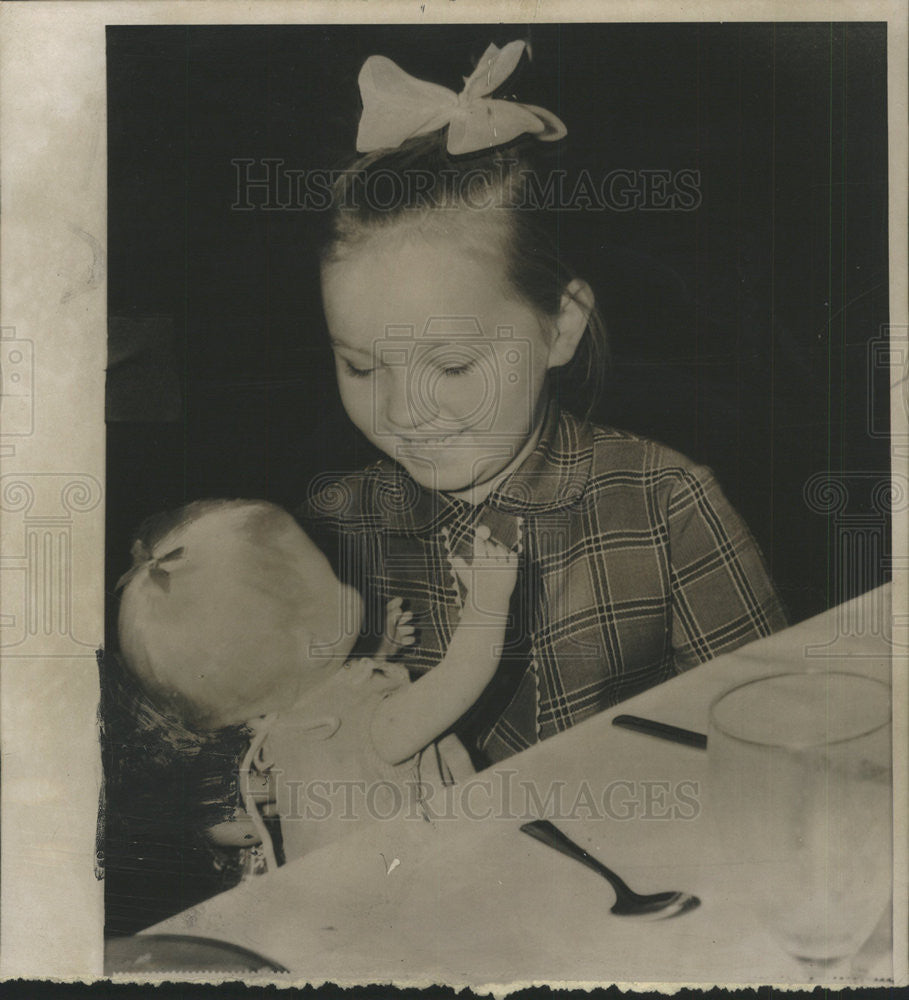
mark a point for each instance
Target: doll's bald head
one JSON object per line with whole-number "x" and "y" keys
{"x": 230, "y": 611}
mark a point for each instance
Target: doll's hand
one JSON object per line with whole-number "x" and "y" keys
{"x": 399, "y": 630}
{"x": 491, "y": 574}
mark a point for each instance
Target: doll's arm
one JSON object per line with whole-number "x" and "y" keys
{"x": 412, "y": 717}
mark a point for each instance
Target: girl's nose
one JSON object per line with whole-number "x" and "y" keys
{"x": 398, "y": 406}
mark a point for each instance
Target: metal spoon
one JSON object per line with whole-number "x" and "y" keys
{"x": 657, "y": 906}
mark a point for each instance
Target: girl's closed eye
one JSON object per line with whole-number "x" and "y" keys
{"x": 449, "y": 371}
{"x": 356, "y": 372}
{"x": 452, "y": 371}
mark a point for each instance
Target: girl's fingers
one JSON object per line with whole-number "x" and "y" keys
{"x": 497, "y": 552}
{"x": 487, "y": 553}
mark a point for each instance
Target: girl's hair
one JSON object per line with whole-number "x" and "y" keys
{"x": 493, "y": 199}
{"x": 212, "y": 609}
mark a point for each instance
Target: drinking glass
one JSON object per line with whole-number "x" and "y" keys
{"x": 800, "y": 789}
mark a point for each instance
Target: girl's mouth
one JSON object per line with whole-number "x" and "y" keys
{"x": 429, "y": 440}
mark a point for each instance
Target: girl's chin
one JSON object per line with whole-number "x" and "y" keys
{"x": 448, "y": 480}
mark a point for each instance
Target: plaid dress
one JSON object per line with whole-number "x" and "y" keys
{"x": 633, "y": 567}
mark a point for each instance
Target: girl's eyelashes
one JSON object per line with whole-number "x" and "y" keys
{"x": 455, "y": 370}
{"x": 355, "y": 372}
{"x": 449, "y": 371}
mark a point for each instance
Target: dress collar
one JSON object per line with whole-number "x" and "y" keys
{"x": 555, "y": 474}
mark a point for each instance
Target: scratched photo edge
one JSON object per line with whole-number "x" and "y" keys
{"x": 69, "y": 255}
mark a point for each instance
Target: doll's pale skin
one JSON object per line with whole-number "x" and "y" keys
{"x": 367, "y": 717}
{"x": 217, "y": 604}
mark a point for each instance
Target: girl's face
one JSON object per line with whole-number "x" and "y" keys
{"x": 438, "y": 362}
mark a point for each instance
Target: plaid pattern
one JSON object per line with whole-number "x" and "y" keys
{"x": 634, "y": 567}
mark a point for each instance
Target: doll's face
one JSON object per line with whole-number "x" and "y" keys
{"x": 325, "y": 736}
{"x": 350, "y": 697}
{"x": 325, "y": 767}
{"x": 438, "y": 363}
{"x": 329, "y": 623}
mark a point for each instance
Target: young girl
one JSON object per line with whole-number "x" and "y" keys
{"x": 231, "y": 617}
{"x": 458, "y": 332}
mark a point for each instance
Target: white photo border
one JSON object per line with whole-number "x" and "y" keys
{"x": 52, "y": 449}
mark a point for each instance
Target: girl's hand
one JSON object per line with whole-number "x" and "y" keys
{"x": 399, "y": 630}
{"x": 490, "y": 576}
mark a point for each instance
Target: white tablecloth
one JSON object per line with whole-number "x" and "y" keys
{"x": 475, "y": 902}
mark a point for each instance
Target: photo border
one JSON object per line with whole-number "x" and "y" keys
{"x": 52, "y": 461}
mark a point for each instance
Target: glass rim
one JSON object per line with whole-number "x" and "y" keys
{"x": 796, "y": 673}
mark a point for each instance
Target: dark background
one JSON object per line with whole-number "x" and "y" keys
{"x": 740, "y": 330}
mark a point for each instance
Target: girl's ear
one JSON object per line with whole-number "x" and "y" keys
{"x": 574, "y": 312}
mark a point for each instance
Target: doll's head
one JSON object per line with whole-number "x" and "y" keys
{"x": 332, "y": 726}
{"x": 325, "y": 744}
{"x": 452, "y": 314}
{"x": 230, "y": 612}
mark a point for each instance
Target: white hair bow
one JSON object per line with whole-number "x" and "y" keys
{"x": 397, "y": 106}
{"x": 144, "y": 558}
